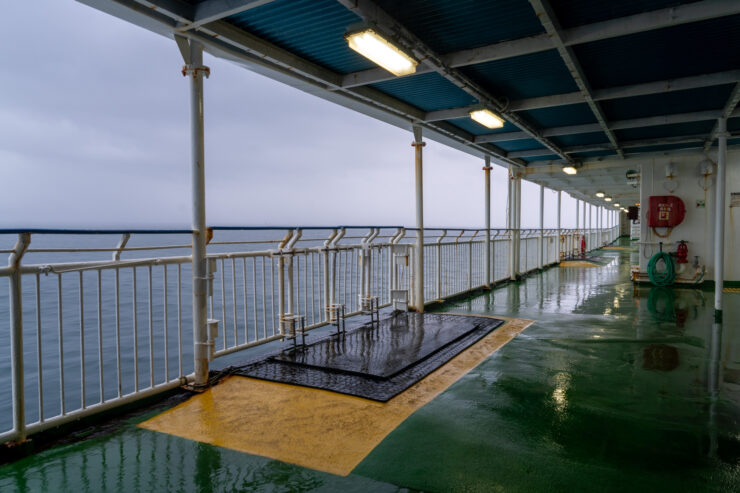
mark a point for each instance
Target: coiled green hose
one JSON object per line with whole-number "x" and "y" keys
{"x": 665, "y": 277}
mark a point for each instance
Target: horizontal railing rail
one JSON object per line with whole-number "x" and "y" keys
{"x": 94, "y": 325}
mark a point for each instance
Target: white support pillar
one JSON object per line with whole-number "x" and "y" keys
{"x": 560, "y": 197}
{"x": 513, "y": 223}
{"x": 195, "y": 71}
{"x": 542, "y": 227}
{"x": 719, "y": 223}
{"x": 418, "y": 145}
{"x": 487, "y": 262}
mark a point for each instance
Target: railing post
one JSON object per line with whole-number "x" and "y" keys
{"x": 470, "y": 261}
{"x": 16, "y": 336}
{"x": 192, "y": 52}
{"x": 542, "y": 227}
{"x": 560, "y": 196}
{"x": 487, "y": 263}
{"x": 719, "y": 216}
{"x": 325, "y": 252}
{"x": 419, "y": 258}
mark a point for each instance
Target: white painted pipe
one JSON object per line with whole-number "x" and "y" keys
{"x": 719, "y": 224}
{"x": 560, "y": 196}
{"x": 542, "y": 227}
{"x": 487, "y": 262}
{"x": 195, "y": 71}
{"x": 419, "y": 265}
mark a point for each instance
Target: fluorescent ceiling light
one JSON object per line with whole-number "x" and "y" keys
{"x": 375, "y": 47}
{"x": 600, "y": 194}
{"x": 570, "y": 170}
{"x": 487, "y": 118}
{"x": 616, "y": 204}
{"x": 608, "y": 199}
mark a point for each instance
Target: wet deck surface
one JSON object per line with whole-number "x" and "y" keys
{"x": 612, "y": 388}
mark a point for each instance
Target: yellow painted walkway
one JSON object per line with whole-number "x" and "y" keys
{"x": 313, "y": 428}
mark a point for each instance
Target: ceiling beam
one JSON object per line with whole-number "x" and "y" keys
{"x": 657, "y": 87}
{"x": 369, "y": 11}
{"x": 549, "y": 21}
{"x": 214, "y": 10}
{"x": 728, "y": 110}
{"x": 647, "y": 21}
{"x": 607, "y": 147}
{"x": 651, "y": 121}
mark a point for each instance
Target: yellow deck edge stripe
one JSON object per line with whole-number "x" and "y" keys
{"x": 313, "y": 428}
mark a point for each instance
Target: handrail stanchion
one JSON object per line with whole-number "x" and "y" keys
{"x": 16, "y": 336}
{"x": 487, "y": 263}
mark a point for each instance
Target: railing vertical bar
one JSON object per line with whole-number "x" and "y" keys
{"x": 223, "y": 303}
{"x": 305, "y": 285}
{"x": 60, "y": 313}
{"x": 233, "y": 298}
{"x": 246, "y": 318}
{"x": 100, "y": 337}
{"x": 151, "y": 327}
{"x": 166, "y": 326}
{"x": 39, "y": 349}
{"x": 179, "y": 320}
{"x": 264, "y": 300}
{"x": 136, "y": 333}
{"x": 118, "y": 333}
{"x": 272, "y": 292}
{"x": 254, "y": 297}
{"x": 82, "y": 341}
{"x": 313, "y": 292}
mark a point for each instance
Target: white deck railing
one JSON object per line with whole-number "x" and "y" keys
{"x": 88, "y": 335}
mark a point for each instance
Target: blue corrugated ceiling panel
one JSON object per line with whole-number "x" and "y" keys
{"x": 675, "y": 130}
{"x": 580, "y": 139}
{"x": 578, "y": 12}
{"x": 474, "y": 128}
{"x": 680, "y": 51}
{"x": 447, "y": 26}
{"x": 664, "y": 147}
{"x": 429, "y": 92}
{"x": 519, "y": 145}
{"x": 669, "y": 103}
{"x": 527, "y": 76}
{"x": 311, "y": 29}
{"x": 559, "y": 116}
{"x": 593, "y": 154}
{"x": 549, "y": 157}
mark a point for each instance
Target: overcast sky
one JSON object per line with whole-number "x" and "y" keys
{"x": 95, "y": 132}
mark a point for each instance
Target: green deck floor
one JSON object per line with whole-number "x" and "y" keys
{"x": 611, "y": 389}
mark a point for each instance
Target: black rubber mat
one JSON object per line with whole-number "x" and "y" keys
{"x": 356, "y": 360}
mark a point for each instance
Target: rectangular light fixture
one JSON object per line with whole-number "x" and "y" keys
{"x": 487, "y": 118}
{"x": 608, "y": 199}
{"x": 600, "y": 194}
{"x": 375, "y": 47}
{"x": 570, "y": 170}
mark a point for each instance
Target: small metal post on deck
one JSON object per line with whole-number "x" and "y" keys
{"x": 419, "y": 266}
{"x": 542, "y": 227}
{"x": 719, "y": 223}
{"x": 192, "y": 52}
{"x": 16, "y": 336}
{"x": 487, "y": 262}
